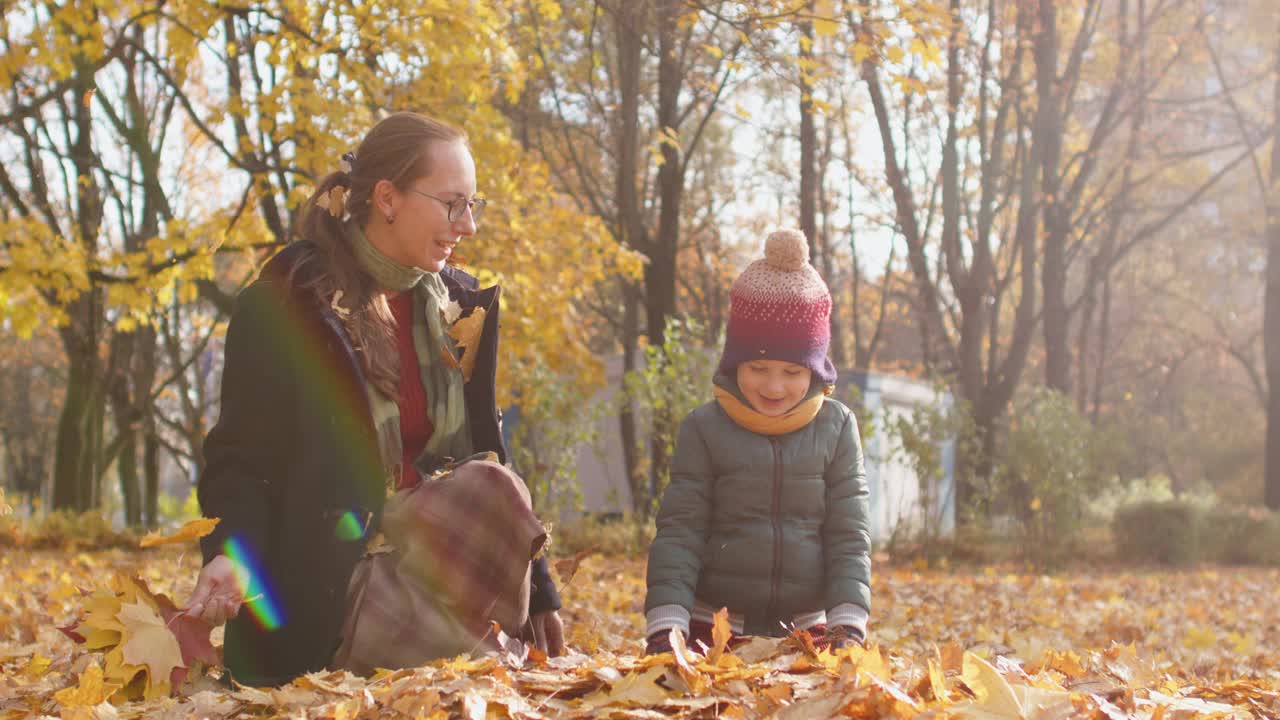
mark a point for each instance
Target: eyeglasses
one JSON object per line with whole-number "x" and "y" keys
{"x": 458, "y": 205}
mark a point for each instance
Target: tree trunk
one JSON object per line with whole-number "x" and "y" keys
{"x": 626, "y": 414}
{"x": 1271, "y": 311}
{"x": 80, "y": 424}
{"x": 127, "y": 471}
{"x": 808, "y": 143}
{"x": 660, "y": 271}
{"x": 144, "y": 377}
{"x": 1048, "y": 131}
{"x": 630, "y": 228}
{"x": 1104, "y": 350}
{"x": 72, "y": 476}
{"x": 125, "y": 416}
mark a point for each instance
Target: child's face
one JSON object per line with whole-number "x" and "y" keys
{"x": 773, "y": 386}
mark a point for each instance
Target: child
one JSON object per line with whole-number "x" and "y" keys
{"x": 766, "y": 513}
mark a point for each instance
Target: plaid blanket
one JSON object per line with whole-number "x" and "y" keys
{"x": 460, "y": 548}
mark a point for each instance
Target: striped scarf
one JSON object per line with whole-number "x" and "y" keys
{"x": 441, "y": 377}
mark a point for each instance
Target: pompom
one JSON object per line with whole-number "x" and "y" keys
{"x": 786, "y": 250}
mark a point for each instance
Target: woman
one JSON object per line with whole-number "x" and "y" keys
{"x": 343, "y": 377}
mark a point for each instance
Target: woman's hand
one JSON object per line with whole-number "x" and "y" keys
{"x": 548, "y": 632}
{"x": 218, "y": 594}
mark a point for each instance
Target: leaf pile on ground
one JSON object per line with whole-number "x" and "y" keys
{"x": 986, "y": 643}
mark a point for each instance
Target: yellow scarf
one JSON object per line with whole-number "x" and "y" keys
{"x": 761, "y": 424}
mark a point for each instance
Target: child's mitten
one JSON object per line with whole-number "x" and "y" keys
{"x": 658, "y": 643}
{"x": 843, "y": 636}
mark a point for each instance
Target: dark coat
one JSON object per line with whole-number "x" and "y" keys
{"x": 293, "y": 471}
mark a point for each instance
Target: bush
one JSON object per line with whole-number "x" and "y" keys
{"x": 1159, "y": 531}
{"x": 1050, "y": 467}
{"x": 1184, "y": 531}
{"x": 556, "y": 416}
{"x": 64, "y": 530}
{"x": 674, "y": 379}
{"x": 606, "y": 533}
{"x": 1240, "y": 536}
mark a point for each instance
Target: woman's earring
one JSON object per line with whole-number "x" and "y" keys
{"x": 390, "y": 218}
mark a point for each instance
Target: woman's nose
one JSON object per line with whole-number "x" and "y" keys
{"x": 466, "y": 224}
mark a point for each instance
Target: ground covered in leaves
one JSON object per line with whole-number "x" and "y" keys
{"x": 982, "y": 642}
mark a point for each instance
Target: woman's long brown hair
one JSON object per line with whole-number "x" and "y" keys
{"x": 396, "y": 149}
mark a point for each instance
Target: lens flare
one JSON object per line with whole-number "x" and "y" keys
{"x": 349, "y": 527}
{"x": 260, "y": 598}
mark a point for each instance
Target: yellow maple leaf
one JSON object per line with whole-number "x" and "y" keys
{"x": 100, "y": 628}
{"x": 148, "y": 642}
{"x": 65, "y": 591}
{"x": 91, "y": 691}
{"x": 696, "y": 681}
{"x": 635, "y": 689}
{"x": 869, "y": 660}
{"x": 1200, "y": 638}
{"x": 720, "y": 634}
{"x": 37, "y": 666}
{"x": 193, "y": 530}
{"x": 994, "y": 694}
{"x": 937, "y": 681}
{"x": 1066, "y": 662}
{"x": 825, "y": 23}
{"x": 1240, "y": 644}
{"x": 466, "y": 333}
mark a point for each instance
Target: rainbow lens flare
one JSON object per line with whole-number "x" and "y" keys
{"x": 260, "y": 598}
{"x": 349, "y": 528}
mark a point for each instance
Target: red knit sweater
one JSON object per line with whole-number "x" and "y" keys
{"x": 415, "y": 422}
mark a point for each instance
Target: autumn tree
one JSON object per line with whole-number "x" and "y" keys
{"x": 1010, "y": 161}
{"x": 630, "y": 90}
{"x": 106, "y": 225}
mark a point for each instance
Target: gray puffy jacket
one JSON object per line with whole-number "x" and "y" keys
{"x": 770, "y": 527}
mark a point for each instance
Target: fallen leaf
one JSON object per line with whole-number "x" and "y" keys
{"x": 37, "y": 666}
{"x": 147, "y": 642}
{"x": 995, "y": 697}
{"x": 466, "y": 333}
{"x": 193, "y": 530}
{"x": 91, "y": 691}
{"x": 720, "y": 634}
{"x": 566, "y": 568}
{"x": 692, "y": 677}
{"x": 633, "y": 690}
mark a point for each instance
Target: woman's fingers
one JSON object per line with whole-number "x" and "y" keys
{"x": 231, "y": 606}
{"x": 540, "y": 631}
{"x": 217, "y": 596}
{"x": 554, "y": 631}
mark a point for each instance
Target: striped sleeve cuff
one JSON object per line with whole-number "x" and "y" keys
{"x": 665, "y": 617}
{"x": 854, "y": 616}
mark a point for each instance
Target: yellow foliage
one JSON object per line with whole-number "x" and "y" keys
{"x": 334, "y": 68}
{"x": 91, "y": 691}
{"x": 935, "y": 665}
{"x": 192, "y": 530}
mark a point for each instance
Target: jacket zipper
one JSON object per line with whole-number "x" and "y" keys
{"x": 776, "y": 514}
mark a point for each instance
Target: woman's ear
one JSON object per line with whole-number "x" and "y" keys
{"x": 384, "y": 198}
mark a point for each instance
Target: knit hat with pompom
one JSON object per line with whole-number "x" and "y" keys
{"x": 780, "y": 309}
